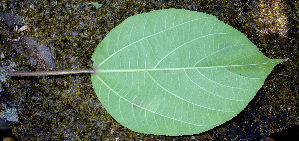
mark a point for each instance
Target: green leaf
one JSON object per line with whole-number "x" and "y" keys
{"x": 177, "y": 72}
{"x": 96, "y": 4}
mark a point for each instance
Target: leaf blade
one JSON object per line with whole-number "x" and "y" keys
{"x": 163, "y": 73}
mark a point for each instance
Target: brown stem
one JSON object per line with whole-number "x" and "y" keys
{"x": 43, "y": 73}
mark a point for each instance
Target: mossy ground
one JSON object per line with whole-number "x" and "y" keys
{"x": 66, "y": 107}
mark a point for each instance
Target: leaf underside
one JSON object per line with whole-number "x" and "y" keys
{"x": 177, "y": 72}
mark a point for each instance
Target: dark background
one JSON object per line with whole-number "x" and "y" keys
{"x": 63, "y": 35}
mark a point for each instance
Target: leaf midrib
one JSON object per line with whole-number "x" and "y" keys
{"x": 172, "y": 69}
